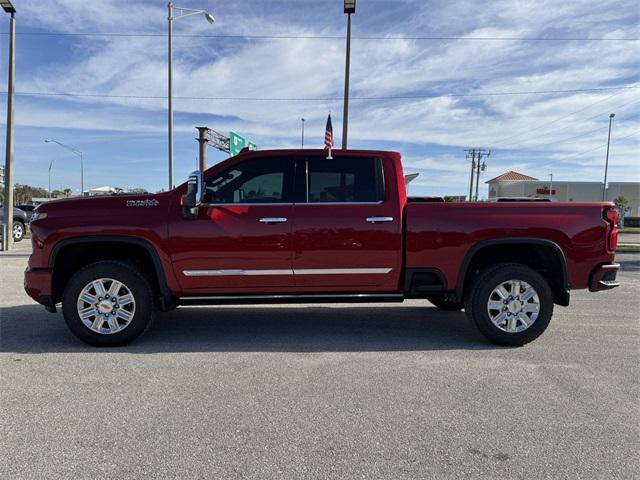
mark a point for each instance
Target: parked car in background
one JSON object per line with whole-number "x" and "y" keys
{"x": 28, "y": 209}
{"x": 20, "y": 222}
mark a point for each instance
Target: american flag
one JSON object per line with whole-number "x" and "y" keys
{"x": 328, "y": 134}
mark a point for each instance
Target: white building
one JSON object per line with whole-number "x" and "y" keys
{"x": 106, "y": 190}
{"x": 514, "y": 184}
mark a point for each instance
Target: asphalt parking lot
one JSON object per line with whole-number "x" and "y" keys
{"x": 366, "y": 391}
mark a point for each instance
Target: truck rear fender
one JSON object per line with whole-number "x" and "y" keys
{"x": 544, "y": 256}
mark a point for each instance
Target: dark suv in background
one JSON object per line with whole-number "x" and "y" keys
{"x": 20, "y": 222}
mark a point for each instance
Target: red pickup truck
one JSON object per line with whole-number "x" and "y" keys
{"x": 293, "y": 226}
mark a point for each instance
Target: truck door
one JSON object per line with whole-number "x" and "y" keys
{"x": 347, "y": 231}
{"x": 242, "y": 238}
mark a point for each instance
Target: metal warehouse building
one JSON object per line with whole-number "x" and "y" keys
{"x": 514, "y": 184}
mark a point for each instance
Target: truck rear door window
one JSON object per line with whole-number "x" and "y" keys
{"x": 345, "y": 180}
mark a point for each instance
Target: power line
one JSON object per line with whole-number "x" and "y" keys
{"x": 569, "y": 125}
{"x": 330, "y": 37}
{"x": 320, "y": 99}
{"x": 589, "y": 150}
{"x": 546, "y": 124}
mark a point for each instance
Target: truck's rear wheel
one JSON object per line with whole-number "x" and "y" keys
{"x": 108, "y": 303}
{"x": 510, "y": 303}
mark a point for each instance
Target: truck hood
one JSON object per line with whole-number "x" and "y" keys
{"x": 83, "y": 206}
{"x": 75, "y": 205}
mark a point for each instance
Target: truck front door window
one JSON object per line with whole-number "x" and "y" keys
{"x": 252, "y": 181}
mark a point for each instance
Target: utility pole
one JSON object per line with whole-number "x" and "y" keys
{"x": 7, "y": 239}
{"x": 203, "y": 141}
{"x": 302, "y": 133}
{"x": 471, "y": 152}
{"x": 209, "y": 137}
{"x": 480, "y": 166}
{"x": 550, "y": 185}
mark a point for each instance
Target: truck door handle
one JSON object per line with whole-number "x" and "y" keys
{"x": 379, "y": 219}
{"x": 273, "y": 220}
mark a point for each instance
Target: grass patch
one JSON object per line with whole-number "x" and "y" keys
{"x": 630, "y": 230}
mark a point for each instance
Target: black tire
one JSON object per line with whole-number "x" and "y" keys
{"x": 443, "y": 303}
{"x": 19, "y": 230}
{"x": 137, "y": 283}
{"x": 478, "y": 296}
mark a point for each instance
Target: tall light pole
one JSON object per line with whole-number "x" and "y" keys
{"x": 550, "y": 185}
{"x": 302, "y": 133}
{"x": 50, "y": 165}
{"x": 349, "y": 9}
{"x": 7, "y": 235}
{"x": 183, "y": 12}
{"x": 77, "y": 152}
{"x": 606, "y": 164}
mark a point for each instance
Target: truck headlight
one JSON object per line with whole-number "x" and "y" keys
{"x": 38, "y": 216}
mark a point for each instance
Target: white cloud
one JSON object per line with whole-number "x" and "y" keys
{"x": 308, "y": 68}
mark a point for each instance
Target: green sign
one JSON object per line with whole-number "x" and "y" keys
{"x": 237, "y": 143}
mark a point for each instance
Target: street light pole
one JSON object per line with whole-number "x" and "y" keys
{"x": 550, "y": 185}
{"x": 349, "y": 9}
{"x": 50, "y": 165}
{"x": 606, "y": 164}
{"x": 77, "y": 152}
{"x": 302, "y": 133}
{"x": 170, "y": 94}
{"x": 7, "y": 238}
{"x": 170, "y": 19}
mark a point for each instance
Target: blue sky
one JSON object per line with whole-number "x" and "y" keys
{"x": 443, "y": 83}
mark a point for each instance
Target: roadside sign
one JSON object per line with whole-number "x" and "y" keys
{"x": 238, "y": 142}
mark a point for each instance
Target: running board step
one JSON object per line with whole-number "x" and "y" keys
{"x": 292, "y": 298}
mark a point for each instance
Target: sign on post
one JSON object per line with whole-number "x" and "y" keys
{"x": 238, "y": 142}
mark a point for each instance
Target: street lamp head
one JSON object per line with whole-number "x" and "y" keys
{"x": 7, "y": 6}
{"x": 47, "y": 141}
{"x": 612, "y": 115}
{"x": 349, "y": 6}
{"x": 209, "y": 18}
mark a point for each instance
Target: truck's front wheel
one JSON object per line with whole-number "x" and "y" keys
{"x": 108, "y": 303}
{"x": 510, "y": 303}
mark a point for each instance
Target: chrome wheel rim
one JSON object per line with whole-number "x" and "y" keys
{"x": 513, "y": 306}
{"x": 106, "y": 306}
{"x": 18, "y": 231}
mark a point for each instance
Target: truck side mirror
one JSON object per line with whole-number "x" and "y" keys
{"x": 193, "y": 198}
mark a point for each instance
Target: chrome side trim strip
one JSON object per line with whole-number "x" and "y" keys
{"x": 340, "y": 271}
{"x": 297, "y": 271}
{"x": 224, "y": 273}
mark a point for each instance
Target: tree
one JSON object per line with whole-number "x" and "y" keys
{"x": 622, "y": 205}
{"x": 24, "y": 193}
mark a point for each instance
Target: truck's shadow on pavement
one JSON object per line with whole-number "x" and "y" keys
{"x": 27, "y": 329}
